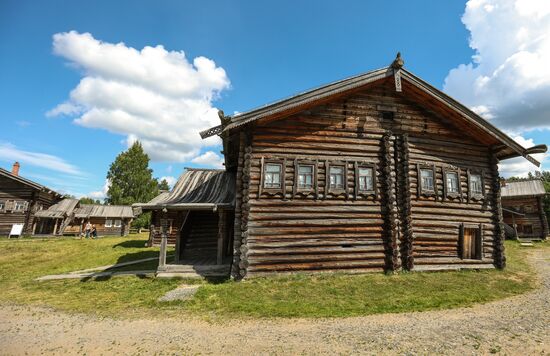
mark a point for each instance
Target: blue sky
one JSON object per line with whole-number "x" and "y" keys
{"x": 262, "y": 52}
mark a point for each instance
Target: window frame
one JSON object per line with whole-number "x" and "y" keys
{"x": 272, "y": 190}
{"x": 110, "y": 222}
{"x": 448, "y": 194}
{"x": 471, "y": 194}
{"x": 297, "y": 174}
{"x": 273, "y": 174}
{"x": 2, "y": 206}
{"x": 119, "y": 223}
{"x": 20, "y": 203}
{"x": 420, "y": 186}
{"x": 328, "y": 185}
{"x": 366, "y": 192}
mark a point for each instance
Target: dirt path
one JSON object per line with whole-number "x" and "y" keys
{"x": 518, "y": 325}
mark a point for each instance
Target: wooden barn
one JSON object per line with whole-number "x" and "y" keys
{"x": 21, "y": 199}
{"x": 377, "y": 172}
{"x": 523, "y": 210}
{"x": 69, "y": 217}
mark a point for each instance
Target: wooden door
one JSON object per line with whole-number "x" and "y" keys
{"x": 469, "y": 245}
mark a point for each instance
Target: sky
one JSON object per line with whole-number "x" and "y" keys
{"x": 82, "y": 80}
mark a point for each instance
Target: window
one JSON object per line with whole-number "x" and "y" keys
{"x": 528, "y": 229}
{"x": 476, "y": 187}
{"x": 20, "y": 205}
{"x": 529, "y": 209}
{"x": 452, "y": 182}
{"x": 305, "y": 176}
{"x": 427, "y": 179}
{"x": 108, "y": 223}
{"x": 366, "y": 182}
{"x": 337, "y": 177}
{"x": 272, "y": 175}
{"x": 2, "y": 205}
{"x": 118, "y": 223}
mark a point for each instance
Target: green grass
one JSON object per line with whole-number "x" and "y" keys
{"x": 322, "y": 295}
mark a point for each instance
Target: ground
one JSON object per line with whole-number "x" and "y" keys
{"x": 517, "y": 325}
{"x": 40, "y": 322}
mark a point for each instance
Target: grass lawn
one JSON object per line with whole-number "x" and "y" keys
{"x": 328, "y": 295}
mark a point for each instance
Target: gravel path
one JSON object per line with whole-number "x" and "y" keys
{"x": 518, "y": 325}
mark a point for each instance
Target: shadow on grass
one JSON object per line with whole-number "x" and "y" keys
{"x": 131, "y": 244}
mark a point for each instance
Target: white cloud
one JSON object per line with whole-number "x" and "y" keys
{"x": 10, "y": 153}
{"x": 100, "y": 194}
{"x": 152, "y": 95}
{"x": 170, "y": 179}
{"x": 508, "y": 80}
{"x": 209, "y": 159}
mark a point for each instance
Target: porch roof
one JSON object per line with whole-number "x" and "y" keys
{"x": 59, "y": 210}
{"x": 197, "y": 189}
{"x": 525, "y": 188}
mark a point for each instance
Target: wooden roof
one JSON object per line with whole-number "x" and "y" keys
{"x": 62, "y": 209}
{"x": 104, "y": 211}
{"x": 534, "y": 187}
{"x": 28, "y": 182}
{"x": 413, "y": 86}
{"x": 197, "y": 189}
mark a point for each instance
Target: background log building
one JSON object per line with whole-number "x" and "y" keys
{"x": 523, "y": 210}
{"x": 380, "y": 171}
{"x": 69, "y": 217}
{"x": 21, "y": 199}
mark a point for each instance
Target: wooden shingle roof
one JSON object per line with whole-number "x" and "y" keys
{"x": 61, "y": 209}
{"x": 524, "y": 188}
{"x": 197, "y": 189}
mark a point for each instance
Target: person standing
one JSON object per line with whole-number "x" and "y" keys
{"x": 88, "y": 229}
{"x": 94, "y": 232}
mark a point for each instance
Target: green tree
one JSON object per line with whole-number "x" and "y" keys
{"x": 131, "y": 181}
{"x": 163, "y": 185}
{"x": 86, "y": 200}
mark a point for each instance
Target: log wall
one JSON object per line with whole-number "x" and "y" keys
{"x": 392, "y": 228}
{"x": 533, "y": 212}
{"x": 11, "y": 190}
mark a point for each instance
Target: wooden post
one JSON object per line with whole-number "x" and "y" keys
{"x": 221, "y": 233}
{"x": 55, "y": 227}
{"x": 514, "y": 225}
{"x": 163, "y": 242}
{"x": 34, "y": 227}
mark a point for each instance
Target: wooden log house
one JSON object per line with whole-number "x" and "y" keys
{"x": 21, "y": 199}
{"x": 69, "y": 217}
{"x": 522, "y": 209}
{"x": 377, "y": 172}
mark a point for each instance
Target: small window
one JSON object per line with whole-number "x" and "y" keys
{"x": 305, "y": 176}
{"x": 528, "y": 229}
{"x": 476, "y": 184}
{"x": 20, "y": 205}
{"x": 108, "y": 223}
{"x": 118, "y": 223}
{"x": 529, "y": 209}
{"x": 427, "y": 179}
{"x": 452, "y": 182}
{"x": 2, "y": 206}
{"x": 337, "y": 177}
{"x": 366, "y": 182}
{"x": 272, "y": 175}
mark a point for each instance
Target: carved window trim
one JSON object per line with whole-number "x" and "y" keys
{"x": 426, "y": 192}
{"x": 305, "y": 163}
{"x": 365, "y": 193}
{"x": 446, "y": 192}
{"x": 472, "y": 195}
{"x": 263, "y": 166}
{"x": 334, "y": 190}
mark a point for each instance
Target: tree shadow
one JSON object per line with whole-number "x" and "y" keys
{"x": 132, "y": 244}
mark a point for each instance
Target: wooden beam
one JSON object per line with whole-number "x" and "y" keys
{"x": 221, "y": 236}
